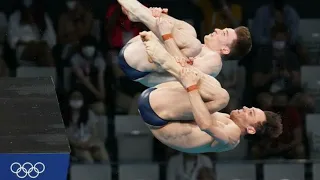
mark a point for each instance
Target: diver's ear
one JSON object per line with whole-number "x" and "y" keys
{"x": 225, "y": 50}
{"x": 251, "y": 130}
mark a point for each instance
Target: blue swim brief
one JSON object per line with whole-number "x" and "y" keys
{"x": 130, "y": 72}
{"x": 146, "y": 112}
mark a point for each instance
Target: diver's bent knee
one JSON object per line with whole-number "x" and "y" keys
{"x": 219, "y": 100}
{"x": 192, "y": 49}
{"x": 224, "y": 98}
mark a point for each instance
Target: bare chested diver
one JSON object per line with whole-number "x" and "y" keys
{"x": 136, "y": 64}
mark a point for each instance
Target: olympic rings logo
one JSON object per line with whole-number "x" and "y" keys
{"x": 27, "y": 169}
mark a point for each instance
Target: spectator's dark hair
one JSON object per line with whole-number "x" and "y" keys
{"x": 84, "y": 112}
{"x": 242, "y": 45}
{"x": 38, "y": 13}
{"x": 86, "y": 4}
{"x": 279, "y": 28}
{"x": 269, "y": 129}
{"x": 279, "y": 5}
{"x": 88, "y": 41}
{"x": 24, "y": 13}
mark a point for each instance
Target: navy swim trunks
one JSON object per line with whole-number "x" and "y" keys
{"x": 130, "y": 72}
{"x": 146, "y": 112}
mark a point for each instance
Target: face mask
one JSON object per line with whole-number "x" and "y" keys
{"x": 88, "y": 51}
{"x": 71, "y": 4}
{"x": 27, "y": 3}
{"x": 279, "y": 45}
{"x": 76, "y": 104}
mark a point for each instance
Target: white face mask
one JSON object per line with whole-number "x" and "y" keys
{"x": 76, "y": 104}
{"x": 27, "y": 3}
{"x": 279, "y": 45}
{"x": 88, "y": 51}
{"x": 71, "y": 4}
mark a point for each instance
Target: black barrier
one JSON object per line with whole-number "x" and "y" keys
{"x": 33, "y": 142}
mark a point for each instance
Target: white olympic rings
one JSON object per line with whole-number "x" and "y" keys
{"x": 27, "y": 168}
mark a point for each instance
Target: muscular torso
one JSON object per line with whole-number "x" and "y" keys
{"x": 208, "y": 61}
{"x": 187, "y": 137}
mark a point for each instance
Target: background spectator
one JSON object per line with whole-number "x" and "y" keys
{"x": 277, "y": 68}
{"x": 186, "y": 166}
{"x": 118, "y": 28}
{"x": 74, "y": 24}
{"x": 31, "y": 33}
{"x": 290, "y": 143}
{"x": 219, "y": 14}
{"x": 88, "y": 67}
{"x": 82, "y": 132}
{"x": 269, "y": 15}
{"x": 227, "y": 14}
{"x": 206, "y": 174}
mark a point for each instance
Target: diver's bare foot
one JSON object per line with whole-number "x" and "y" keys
{"x": 154, "y": 49}
{"x": 157, "y": 11}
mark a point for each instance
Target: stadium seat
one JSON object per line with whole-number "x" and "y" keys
{"x": 132, "y": 134}
{"x": 310, "y": 80}
{"x": 316, "y": 171}
{"x": 313, "y": 134}
{"x": 90, "y": 172}
{"x": 130, "y": 124}
{"x": 310, "y": 77}
{"x": 283, "y": 172}
{"x": 139, "y": 172}
{"x": 235, "y": 171}
{"x": 309, "y": 32}
{"x": 309, "y": 28}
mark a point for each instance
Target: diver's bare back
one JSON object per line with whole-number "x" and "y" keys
{"x": 186, "y": 136}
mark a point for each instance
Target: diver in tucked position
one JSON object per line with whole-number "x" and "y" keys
{"x": 179, "y": 38}
{"x": 167, "y": 109}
